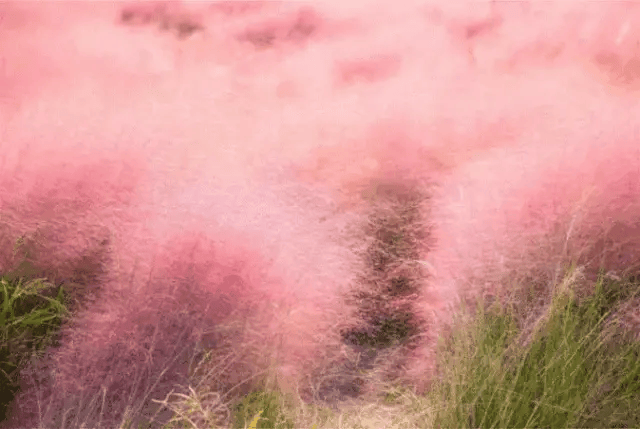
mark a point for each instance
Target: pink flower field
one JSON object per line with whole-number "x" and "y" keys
{"x": 273, "y": 184}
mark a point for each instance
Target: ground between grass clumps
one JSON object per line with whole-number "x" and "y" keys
{"x": 383, "y": 298}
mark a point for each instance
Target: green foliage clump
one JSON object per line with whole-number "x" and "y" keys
{"x": 31, "y": 313}
{"x": 569, "y": 372}
{"x": 265, "y": 403}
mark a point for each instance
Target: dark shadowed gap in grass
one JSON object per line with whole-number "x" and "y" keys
{"x": 573, "y": 371}
{"x": 389, "y": 282}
